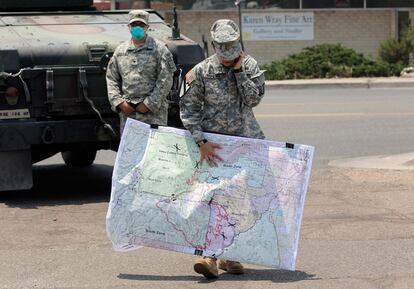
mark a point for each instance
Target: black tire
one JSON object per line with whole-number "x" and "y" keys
{"x": 79, "y": 158}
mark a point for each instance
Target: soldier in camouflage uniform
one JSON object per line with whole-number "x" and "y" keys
{"x": 140, "y": 75}
{"x": 223, "y": 89}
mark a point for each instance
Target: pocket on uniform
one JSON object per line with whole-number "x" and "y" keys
{"x": 137, "y": 65}
{"x": 146, "y": 61}
{"x": 131, "y": 64}
{"x": 214, "y": 87}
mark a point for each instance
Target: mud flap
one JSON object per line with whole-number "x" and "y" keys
{"x": 15, "y": 170}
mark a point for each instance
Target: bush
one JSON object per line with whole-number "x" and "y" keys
{"x": 328, "y": 61}
{"x": 398, "y": 51}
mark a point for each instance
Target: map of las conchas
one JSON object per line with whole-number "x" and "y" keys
{"x": 248, "y": 208}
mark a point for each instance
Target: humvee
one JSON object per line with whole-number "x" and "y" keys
{"x": 53, "y": 97}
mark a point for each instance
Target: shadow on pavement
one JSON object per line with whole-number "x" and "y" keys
{"x": 56, "y": 185}
{"x": 277, "y": 276}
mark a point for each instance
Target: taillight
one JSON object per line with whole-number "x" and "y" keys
{"x": 12, "y": 95}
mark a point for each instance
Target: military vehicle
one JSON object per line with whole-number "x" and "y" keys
{"x": 53, "y": 97}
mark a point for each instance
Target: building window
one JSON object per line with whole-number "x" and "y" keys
{"x": 342, "y": 4}
{"x": 389, "y": 3}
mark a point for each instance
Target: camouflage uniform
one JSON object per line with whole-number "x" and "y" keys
{"x": 220, "y": 99}
{"x": 141, "y": 74}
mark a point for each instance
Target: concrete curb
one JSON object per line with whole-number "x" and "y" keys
{"x": 386, "y": 162}
{"x": 392, "y": 82}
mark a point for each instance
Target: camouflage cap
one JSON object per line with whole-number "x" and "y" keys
{"x": 226, "y": 38}
{"x": 138, "y": 15}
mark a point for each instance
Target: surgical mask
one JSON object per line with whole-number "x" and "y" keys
{"x": 137, "y": 32}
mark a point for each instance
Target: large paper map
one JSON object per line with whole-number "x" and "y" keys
{"x": 248, "y": 208}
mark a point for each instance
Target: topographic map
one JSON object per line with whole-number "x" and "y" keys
{"x": 248, "y": 208}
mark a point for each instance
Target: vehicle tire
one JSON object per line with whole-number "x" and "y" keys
{"x": 79, "y": 158}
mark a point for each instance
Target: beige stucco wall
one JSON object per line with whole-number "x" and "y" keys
{"x": 362, "y": 30}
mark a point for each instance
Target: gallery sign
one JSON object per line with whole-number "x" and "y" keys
{"x": 278, "y": 26}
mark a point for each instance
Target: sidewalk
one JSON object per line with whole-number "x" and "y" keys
{"x": 379, "y": 82}
{"x": 388, "y": 162}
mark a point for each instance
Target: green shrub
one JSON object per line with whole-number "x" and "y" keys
{"x": 328, "y": 61}
{"x": 398, "y": 51}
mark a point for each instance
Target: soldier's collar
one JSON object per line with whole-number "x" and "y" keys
{"x": 149, "y": 44}
{"x": 218, "y": 68}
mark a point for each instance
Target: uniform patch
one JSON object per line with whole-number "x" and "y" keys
{"x": 190, "y": 77}
{"x": 171, "y": 65}
{"x": 170, "y": 62}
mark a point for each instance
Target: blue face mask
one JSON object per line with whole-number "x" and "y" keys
{"x": 137, "y": 32}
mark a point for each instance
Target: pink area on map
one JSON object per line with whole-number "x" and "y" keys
{"x": 233, "y": 153}
{"x": 221, "y": 230}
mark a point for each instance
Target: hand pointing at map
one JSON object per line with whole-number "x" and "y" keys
{"x": 208, "y": 153}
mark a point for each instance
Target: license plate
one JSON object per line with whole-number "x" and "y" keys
{"x": 14, "y": 114}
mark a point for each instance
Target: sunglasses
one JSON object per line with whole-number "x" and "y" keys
{"x": 136, "y": 24}
{"x": 225, "y": 46}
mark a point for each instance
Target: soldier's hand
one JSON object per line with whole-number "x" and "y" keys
{"x": 239, "y": 61}
{"x": 142, "y": 108}
{"x": 208, "y": 153}
{"x": 126, "y": 108}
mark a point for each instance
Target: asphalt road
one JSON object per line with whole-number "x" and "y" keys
{"x": 341, "y": 123}
{"x": 357, "y": 230}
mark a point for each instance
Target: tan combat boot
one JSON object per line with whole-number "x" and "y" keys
{"x": 231, "y": 267}
{"x": 206, "y": 266}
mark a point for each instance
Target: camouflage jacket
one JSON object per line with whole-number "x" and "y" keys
{"x": 221, "y": 100}
{"x": 141, "y": 74}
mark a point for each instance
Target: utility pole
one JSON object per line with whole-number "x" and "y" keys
{"x": 238, "y": 4}
{"x": 175, "y": 28}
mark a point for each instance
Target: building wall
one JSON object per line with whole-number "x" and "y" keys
{"x": 361, "y": 29}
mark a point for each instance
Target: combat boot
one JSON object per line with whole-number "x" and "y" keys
{"x": 231, "y": 267}
{"x": 207, "y": 266}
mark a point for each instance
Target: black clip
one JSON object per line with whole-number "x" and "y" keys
{"x": 198, "y": 252}
{"x": 154, "y": 126}
{"x": 290, "y": 145}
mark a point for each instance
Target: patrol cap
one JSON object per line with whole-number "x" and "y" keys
{"x": 226, "y": 38}
{"x": 138, "y": 16}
